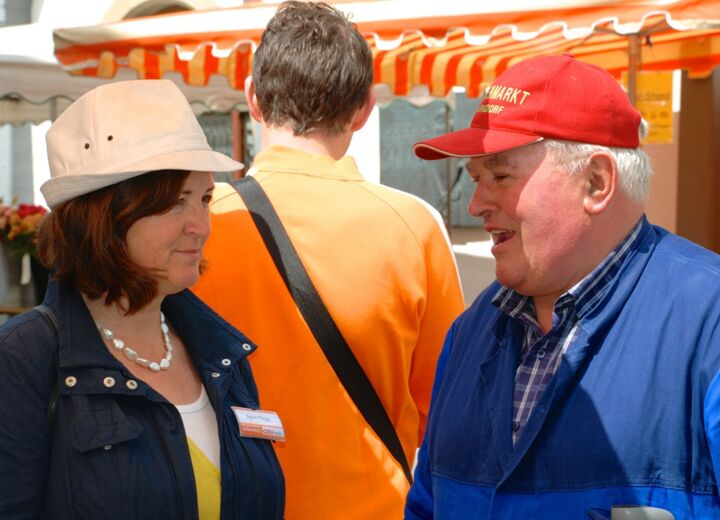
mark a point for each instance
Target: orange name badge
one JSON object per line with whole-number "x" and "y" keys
{"x": 259, "y": 423}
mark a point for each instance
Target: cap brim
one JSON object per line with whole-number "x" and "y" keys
{"x": 470, "y": 142}
{"x": 61, "y": 189}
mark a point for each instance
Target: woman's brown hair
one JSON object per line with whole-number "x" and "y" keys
{"x": 83, "y": 239}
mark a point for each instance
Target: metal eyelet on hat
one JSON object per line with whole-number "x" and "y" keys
{"x": 215, "y": 374}
{"x": 109, "y": 382}
{"x": 246, "y": 347}
{"x": 226, "y": 362}
{"x": 70, "y": 381}
{"x": 131, "y": 384}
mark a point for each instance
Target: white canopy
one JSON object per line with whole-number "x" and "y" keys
{"x": 35, "y": 88}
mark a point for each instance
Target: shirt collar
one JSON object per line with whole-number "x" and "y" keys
{"x": 284, "y": 159}
{"x": 582, "y": 296}
{"x": 588, "y": 291}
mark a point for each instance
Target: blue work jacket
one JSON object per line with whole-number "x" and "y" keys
{"x": 115, "y": 448}
{"x": 632, "y": 415}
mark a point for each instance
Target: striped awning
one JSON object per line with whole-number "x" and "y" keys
{"x": 440, "y": 45}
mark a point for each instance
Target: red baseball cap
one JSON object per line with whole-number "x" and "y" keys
{"x": 554, "y": 97}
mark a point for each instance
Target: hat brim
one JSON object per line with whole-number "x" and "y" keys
{"x": 61, "y": 189}
{"x": 471, "y": 142}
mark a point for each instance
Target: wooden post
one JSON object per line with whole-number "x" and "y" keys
{"x": 634, "y": 65}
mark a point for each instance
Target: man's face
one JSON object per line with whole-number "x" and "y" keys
{"x": 534, "y": 212}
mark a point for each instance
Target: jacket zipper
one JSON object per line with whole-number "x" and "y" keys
{"x": 178, "y": 494}
{"x": 233, "y": 470}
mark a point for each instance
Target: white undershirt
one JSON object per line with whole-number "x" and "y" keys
{"x": 201, "y": 426}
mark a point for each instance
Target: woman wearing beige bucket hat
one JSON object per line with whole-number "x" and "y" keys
{"x": 123, "y": 395}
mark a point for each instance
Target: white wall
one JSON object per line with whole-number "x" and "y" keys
{"x": 40, "y": 166}
{"x": 365, "y": 147}
{"x": 5, "y": 162}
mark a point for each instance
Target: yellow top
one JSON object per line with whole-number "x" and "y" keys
{"x": 382, "y": 264}
{"x": 207, "y": 483}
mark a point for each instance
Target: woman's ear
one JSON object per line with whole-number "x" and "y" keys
{"x": 602, "y": 180}
{"x": 251, "y": 100}
{"x": 363, "y": 113}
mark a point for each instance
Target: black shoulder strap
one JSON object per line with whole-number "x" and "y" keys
{"x": 50, "y": 317}
{"x": 316, "y": 315}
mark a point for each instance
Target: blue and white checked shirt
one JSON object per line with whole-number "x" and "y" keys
{"x": 541, "y": 354}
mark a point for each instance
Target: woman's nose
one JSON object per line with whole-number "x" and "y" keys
{"x": 198, "y": 222}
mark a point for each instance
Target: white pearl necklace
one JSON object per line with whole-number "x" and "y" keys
{"x": 119, "y": 344}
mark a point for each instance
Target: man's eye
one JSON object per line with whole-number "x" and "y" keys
{"x": 206, "y": 199}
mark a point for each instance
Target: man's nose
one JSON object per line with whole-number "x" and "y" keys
{"x": 482, "y": 204}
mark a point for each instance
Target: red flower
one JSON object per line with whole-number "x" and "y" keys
{"x": 18, "y": 225}
{"x": 29, "y": 209}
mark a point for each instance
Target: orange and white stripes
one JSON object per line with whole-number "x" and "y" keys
{"x": 413, "y": 59}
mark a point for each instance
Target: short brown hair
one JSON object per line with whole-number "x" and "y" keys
{"x": 312, "y": 69}
{"x": 83, "y": 239}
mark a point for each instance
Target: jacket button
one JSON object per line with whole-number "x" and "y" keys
{"x": 246, "y": 347}
{"x": 131, "y": 384}
{"x": 109, "y": 382}
{"x": 70, "y": 381}
{"x": 226, "y": 362}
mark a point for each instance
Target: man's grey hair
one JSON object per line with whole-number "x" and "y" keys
{"x": 633, "y": 165}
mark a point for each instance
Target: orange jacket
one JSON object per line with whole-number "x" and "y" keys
{"x": 382, "y": 264}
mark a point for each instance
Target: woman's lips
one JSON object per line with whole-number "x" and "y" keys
{"x": 190, "y": 252}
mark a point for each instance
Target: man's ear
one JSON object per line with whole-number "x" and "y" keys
{"x": 251, "y": 100}
{"x": 601, "y": 181}
{"x": 363, "y": 113}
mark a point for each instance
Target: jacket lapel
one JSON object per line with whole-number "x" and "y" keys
{"x": 563, "y": 382}
{"x": 497, "y": 375}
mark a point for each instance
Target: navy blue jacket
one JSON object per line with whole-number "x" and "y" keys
{"x": 632, "y": 416}
{"x": 120, "y": 451}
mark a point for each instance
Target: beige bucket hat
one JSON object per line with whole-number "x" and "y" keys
{"x": 121, "y": 130}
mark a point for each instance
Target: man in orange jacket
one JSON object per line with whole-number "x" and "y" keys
{"x": 379, "y": 258}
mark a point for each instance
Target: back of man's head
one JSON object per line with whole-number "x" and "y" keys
{"x": 312, "y": 69}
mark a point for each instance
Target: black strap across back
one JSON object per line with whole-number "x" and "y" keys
{"x": 316, "y": 315}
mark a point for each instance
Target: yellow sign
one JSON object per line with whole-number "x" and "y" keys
{"x": 654, "y": 101}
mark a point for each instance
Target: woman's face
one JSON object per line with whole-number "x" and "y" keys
{"x": 170, "y": 244}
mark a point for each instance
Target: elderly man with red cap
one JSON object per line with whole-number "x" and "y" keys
{"x": 587, "y": 375}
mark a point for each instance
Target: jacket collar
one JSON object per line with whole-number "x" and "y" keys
{"x": 209, "y": 339}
